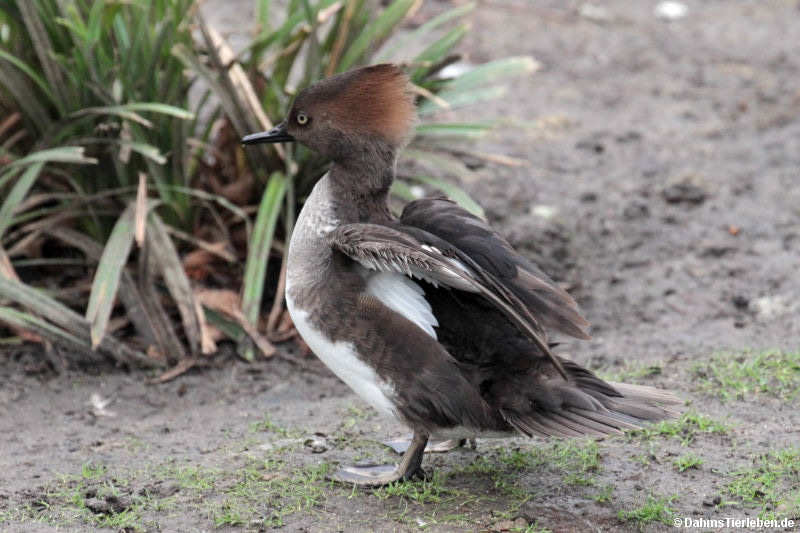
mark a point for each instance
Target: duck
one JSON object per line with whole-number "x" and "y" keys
{"x": 431, "y": 317}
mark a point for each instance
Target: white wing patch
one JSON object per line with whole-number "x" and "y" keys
{"x": 404, "y": 296}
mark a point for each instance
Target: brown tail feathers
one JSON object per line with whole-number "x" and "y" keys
{"x": 587, "y": 405}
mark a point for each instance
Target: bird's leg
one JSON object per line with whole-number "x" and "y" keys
{"x": 434, "y": 446}
{"x": 377, "y": 475}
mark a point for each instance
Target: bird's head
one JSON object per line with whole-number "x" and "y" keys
{"x": 364, "y": 113}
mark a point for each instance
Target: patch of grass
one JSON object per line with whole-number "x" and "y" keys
{"x": 579, "y": 461}
{"x": 427, "y": 503}
{"x": 687, "y": 461}
{"x": 575, "y": 461}
{"x": 604, "y": 495}
{"x": 747, "y": 375}
{"x": 433, "y": 490}
{"x": 92, "y": 471}
{"x": 575, "y": 458}
{"x": 81, "y": 498}
{"x": 656, "y": 509}
{"x": 268, "y": 426}
{"x": 686, "y": 428}
{"x": 773, "y": 483}
{"x": 192, "y": 477}
{"x": 262, "y": 493}
{"x": 631, "y": 373}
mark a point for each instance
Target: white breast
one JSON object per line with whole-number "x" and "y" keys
{"x": 342, "y": 359}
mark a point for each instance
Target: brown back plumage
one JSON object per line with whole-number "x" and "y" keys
{"x": 373, "y": 100}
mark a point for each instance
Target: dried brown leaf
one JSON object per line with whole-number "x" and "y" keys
{"x": 140, "y": 222}
{"x": 228, "y": 303}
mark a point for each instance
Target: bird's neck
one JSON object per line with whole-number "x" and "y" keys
{"x": 360, "y": 186}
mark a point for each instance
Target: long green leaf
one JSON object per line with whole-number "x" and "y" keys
{"x": 70, "y": 321}
{"x": 419, "y": 35}
{"x": 493, "y": 72}
{"x": 114, "y": 110}
{"x": 402, "y": 190}
{"x": 259, "y": 249}
{"x": 454, "y": 192}
{"x": 32, "y": 74}
{"x": 63, "y": 154}
{"x": 458, "y": 98}
{"x": 41, "y": 304}
{"x": 462, "y": 130}
{"x": 128, "y": 110}
{"x": 437, "y": 51}
{"x": 146, "y": 150}
{"x": 44, "y": 50}
{"x": 107, "y": 276}
{"x": 169, "y": 263}
{"x": 45, "y": 329}
{"x": 17, "y": 194}
{"x": 374, "y": 32}
{"x": 26, "y": 99}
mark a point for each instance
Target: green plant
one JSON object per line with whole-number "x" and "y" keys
{"x": 98, "y": 97}
{"x": 686, "y": 428}
{"x": 771, "y": 483}
{"x": 745, "y": 375}
{"x": 654, "y": 509}
{"x": 687, "y": 461}
{"x": 98, "y": 111}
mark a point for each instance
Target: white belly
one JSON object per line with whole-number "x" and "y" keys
{"x": 343, "y": 361}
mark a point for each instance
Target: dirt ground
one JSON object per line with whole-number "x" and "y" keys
{"x": 662, "y": 187}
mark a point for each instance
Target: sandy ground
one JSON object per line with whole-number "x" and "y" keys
{"x": 662, "y": 187}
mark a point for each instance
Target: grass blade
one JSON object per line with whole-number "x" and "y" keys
{"x": 259, "y": 250}
{"x": 178, "y": 285}
{"x": 375, "y": 31}
{"x": 130, "y": 111}
{"x": 25, "y": 98}
{"x": 108, "y": 273}
{"x": 437, "y": 51}
{"x": 490, "y": 73}
{"x": 63, "y": 154}
{"x": 17, "y": 194}
{"x": 28, "y": 71}
{"x": 454, "y": 192}
{"x": 144, "y": 320}
{"x": 68, "y": 320}
{"x": 458, "y": 98}
{"x": 26, "y": 321}
{"x": 419, "y": 35}
{"x": 147, "y": 151}
{"x": 462, "y": 130}
{"x": 44, "y": 50}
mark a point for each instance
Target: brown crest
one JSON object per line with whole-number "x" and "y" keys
{"x": 372, "y": 100}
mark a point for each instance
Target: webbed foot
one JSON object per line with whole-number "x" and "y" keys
{"x": 378, "y": 475}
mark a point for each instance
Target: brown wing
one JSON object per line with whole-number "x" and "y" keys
{"x": 413, "y": 252}
{"x": 532, "y": 390}
{"x": 552, "y": 306}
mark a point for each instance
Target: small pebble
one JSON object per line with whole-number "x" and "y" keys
{"x": 317, "y": 444}
{"x": 685, "y": 192}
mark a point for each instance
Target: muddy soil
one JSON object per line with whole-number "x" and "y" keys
{"x": 661, "y": 186}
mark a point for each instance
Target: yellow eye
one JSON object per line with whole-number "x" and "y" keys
{"x": 302, "y": 118}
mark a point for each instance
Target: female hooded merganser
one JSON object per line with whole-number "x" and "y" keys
{"x": 432, "y": 317}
